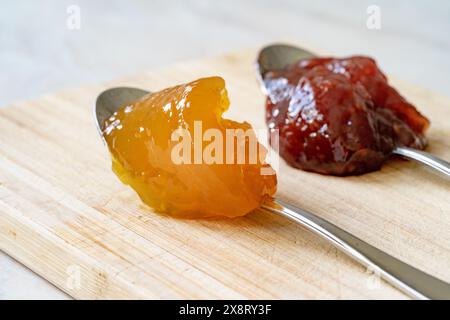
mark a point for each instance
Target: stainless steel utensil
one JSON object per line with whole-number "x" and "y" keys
{"x": 412, "y": 281}
{"x": 280, "y": 56}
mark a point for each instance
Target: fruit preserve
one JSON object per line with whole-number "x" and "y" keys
{"x": 171, "y": 147}
{"x": 339, "y": 116}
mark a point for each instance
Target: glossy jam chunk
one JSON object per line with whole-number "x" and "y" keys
{"x": 339, "y": 116}
{"x": 141, "y": 142}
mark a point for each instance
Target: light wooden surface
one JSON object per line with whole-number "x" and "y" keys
{"x": 62, "y": 209}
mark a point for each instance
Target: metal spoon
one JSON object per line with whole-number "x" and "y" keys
{"x": 410, "y": 280}
{"x": 280, "y": 56}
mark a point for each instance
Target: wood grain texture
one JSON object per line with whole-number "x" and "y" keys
{"x": 62, "y": 208}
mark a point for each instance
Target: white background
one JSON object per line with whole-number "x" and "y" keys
{"x": 39, "y": 54}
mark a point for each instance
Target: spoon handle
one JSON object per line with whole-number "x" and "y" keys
{"x": 410, "y": 280}
{"x": 425, "y": 158}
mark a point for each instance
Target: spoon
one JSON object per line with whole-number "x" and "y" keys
{"x": 280, "y": 56}
{"x": 410, "y": 280}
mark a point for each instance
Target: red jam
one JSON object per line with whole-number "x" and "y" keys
{"x": 339, "y": 116}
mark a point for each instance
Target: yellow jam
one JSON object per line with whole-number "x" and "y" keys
{"x": 155, "y": 149}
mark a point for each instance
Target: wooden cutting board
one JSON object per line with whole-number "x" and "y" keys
{"x": 65, "y": 215}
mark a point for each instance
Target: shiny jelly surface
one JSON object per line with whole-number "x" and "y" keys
{"x": 339, "y": 116}
{"x": 140, "y": 139}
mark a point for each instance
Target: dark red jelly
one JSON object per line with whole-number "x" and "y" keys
{"x": 339, "y": 116}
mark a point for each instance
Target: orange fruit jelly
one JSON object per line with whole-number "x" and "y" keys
{"x": 182, "y": 158}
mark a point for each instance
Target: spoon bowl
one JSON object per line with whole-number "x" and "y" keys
{"x": 111, "y": 100}
{"x": 278, "y": 57}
